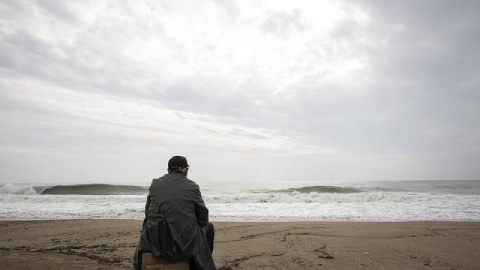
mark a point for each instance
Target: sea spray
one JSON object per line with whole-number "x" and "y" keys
{"x": 17, "y": 189}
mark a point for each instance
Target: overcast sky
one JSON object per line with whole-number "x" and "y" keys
{"x": 108, "y": 91}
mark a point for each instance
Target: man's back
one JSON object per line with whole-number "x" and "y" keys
{"x": 177, "y": 201}
{"x": 176, "y": 190}
{"x": 174, "y": 216}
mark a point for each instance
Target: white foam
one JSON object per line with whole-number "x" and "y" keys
{"x": 71, "y": 207}
{"x": 252, "y": 206}
{"x": 17, "y": 189}
{"x": 345, "y": 210}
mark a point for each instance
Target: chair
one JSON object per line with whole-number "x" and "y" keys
{"x": 150, "y": 262}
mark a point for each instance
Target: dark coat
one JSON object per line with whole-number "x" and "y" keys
{"x": 174, "y": 216}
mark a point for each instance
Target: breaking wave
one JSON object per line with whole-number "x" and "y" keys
{"x": 108, "y": 189}
{"x": 322, "y": 189}
{"x": 86, "y": 189}
{"x": 95, "y": 189}
{"x": 17, "y": 189}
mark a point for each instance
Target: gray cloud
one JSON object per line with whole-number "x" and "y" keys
{"x": 377, "y": 91}
{"x": 281, "y": 23}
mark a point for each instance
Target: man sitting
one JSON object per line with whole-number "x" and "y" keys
{"x": 176, "y": 223}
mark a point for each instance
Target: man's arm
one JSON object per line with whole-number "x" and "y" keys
{"x": 147, "y": 205}
{"x": 201, "y": 211}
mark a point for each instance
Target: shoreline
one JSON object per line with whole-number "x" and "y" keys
{"x": 110, "y": 243}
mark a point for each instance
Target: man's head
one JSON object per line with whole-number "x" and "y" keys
{"x": 178, "y": 164}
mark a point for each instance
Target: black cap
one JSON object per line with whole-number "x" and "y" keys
{"x": 178, "y": 162}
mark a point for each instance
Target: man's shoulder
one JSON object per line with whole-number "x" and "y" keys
{"x": 159, "y": 179}
{"x": 175, "y": 179}
{"x": 191, "y": 182}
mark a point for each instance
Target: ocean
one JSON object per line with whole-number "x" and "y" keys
{"x": 454, "y": 200}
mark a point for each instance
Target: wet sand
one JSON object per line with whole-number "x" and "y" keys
{"x": 109, "y": 244}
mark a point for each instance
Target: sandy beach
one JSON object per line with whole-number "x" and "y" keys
{"x": 109, "y": 244}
